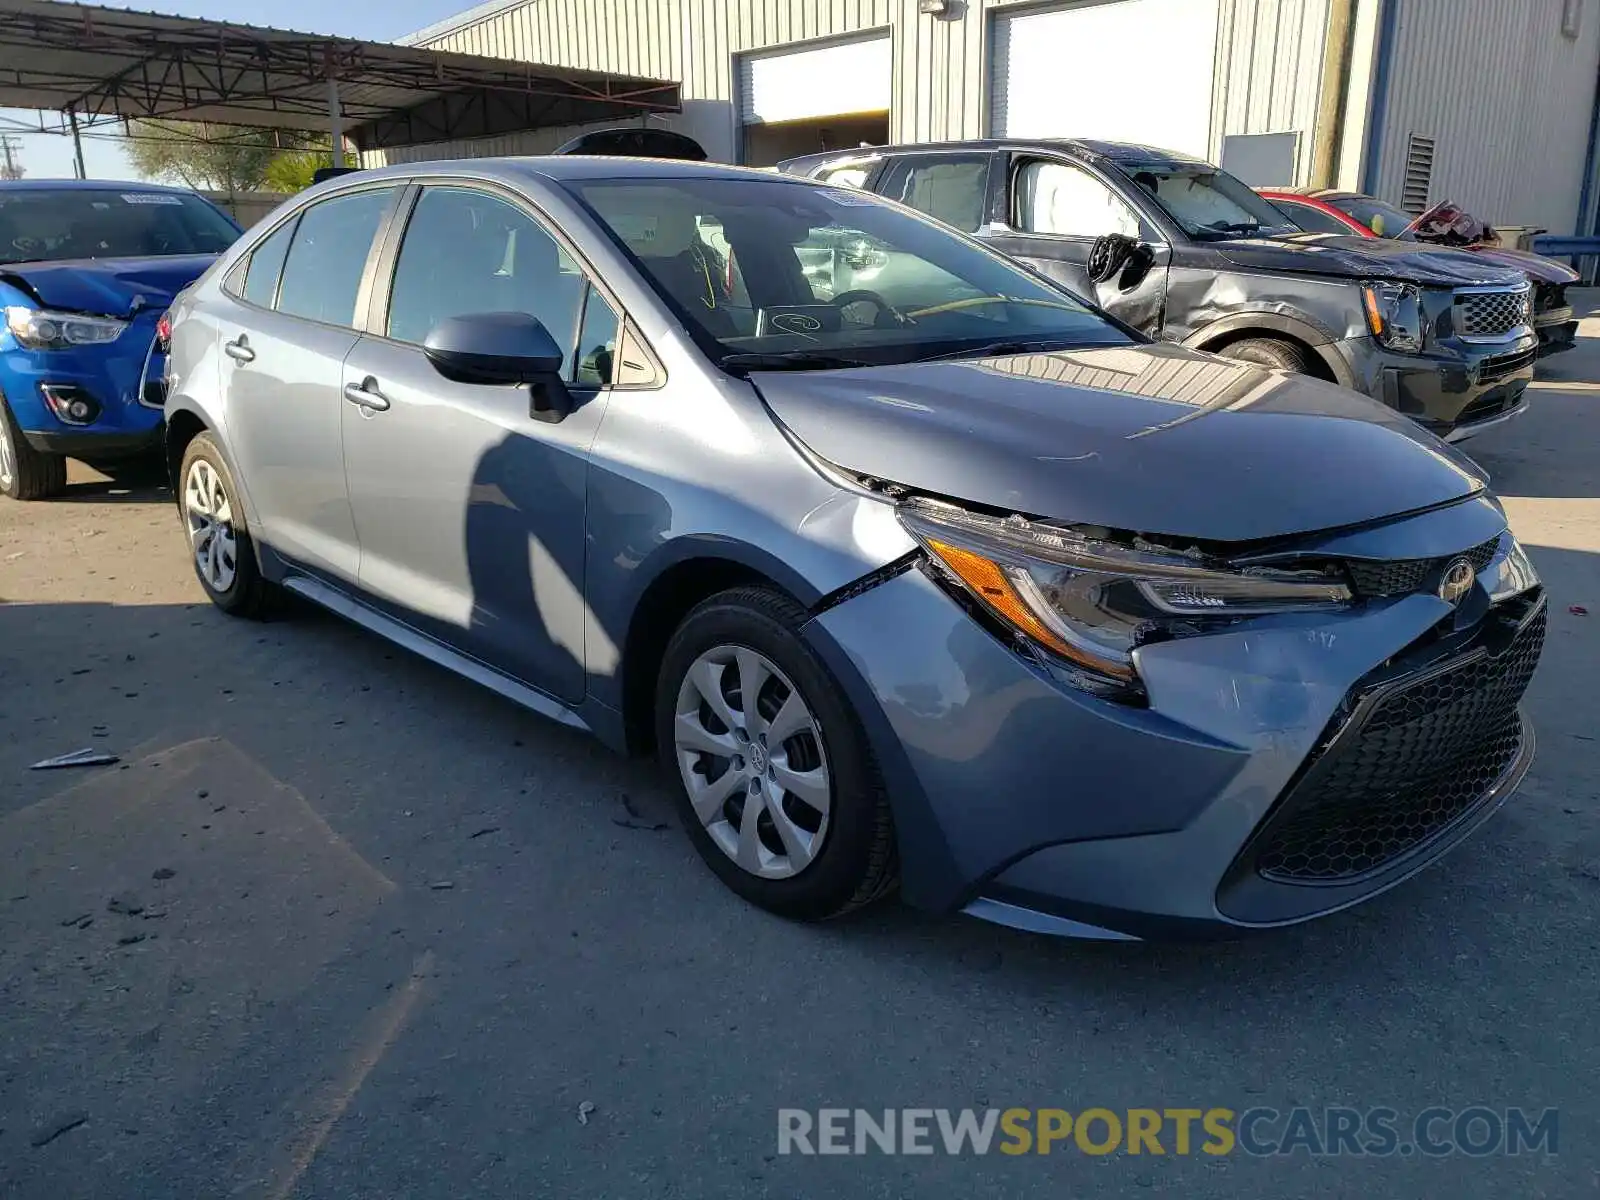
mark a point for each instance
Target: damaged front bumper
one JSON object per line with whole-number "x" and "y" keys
{"x": 1557, "y": 330}
{"x": 1452, "y": 393}
{"x": 1270, "y": 751}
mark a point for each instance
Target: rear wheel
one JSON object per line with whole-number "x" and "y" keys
{"x": 778, "y": 789}
{"x": 26, "y": 473}
{"x": 219, "y": 540}
{"x": 1269, "y": 352}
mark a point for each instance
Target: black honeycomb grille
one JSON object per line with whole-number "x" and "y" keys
{"x": 1400, "y": 577}
{"x": 1492, "y": 314}
{"x": 1424, "y": 756}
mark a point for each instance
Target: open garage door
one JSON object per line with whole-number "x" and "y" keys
{"x": 1126, "y": 71}
{"x": 803, "y": 99}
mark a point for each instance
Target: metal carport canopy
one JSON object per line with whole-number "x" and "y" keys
{"x": 103, "y": 64}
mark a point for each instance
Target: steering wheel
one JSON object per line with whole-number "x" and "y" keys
{"x": 26, "y": 244}
{"x": 861, "y": 295}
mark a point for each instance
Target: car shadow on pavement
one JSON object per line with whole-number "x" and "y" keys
{"x": 134, "y": 481}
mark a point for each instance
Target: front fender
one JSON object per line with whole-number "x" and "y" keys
{"x": 699, "y": 470}
{"x": 1317, "y": 337}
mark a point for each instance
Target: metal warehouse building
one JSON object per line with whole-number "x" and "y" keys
{"x": 1490, "y": 103}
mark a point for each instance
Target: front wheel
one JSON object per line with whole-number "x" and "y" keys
{"x": 1269, "y": 352}
{"x": 219, "y": 540}
{"x": 778, "y": 789}
{"x": 26, "y": 473}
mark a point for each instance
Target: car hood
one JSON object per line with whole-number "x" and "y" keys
{"x": 113, "y": 287}
{"x": 1535, "y": 266}
{"x": 1356, "y": 257}
{"x": 1150, "y": 439}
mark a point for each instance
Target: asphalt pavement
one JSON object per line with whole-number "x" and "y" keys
{"x": 341, "y": 925}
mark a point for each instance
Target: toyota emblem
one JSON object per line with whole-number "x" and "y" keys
{"x": 1456, "y": 581}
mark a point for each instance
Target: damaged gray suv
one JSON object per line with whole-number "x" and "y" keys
{"x": 910, "y": 567}
{"x": 1186, "y": 253}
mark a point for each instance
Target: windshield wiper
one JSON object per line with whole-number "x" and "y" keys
{"x": 995, "y": 349}
{"x": 787, "y": 360}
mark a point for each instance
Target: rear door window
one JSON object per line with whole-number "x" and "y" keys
{"x": 953, "y": 188}
{"x": 328, "y": 256}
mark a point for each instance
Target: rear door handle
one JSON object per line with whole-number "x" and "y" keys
{"x": 367, "y": 395}
{"x": 239, "y": 350}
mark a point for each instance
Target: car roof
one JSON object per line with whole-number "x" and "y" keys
{"x": 87, "y": 185}
{"x": 565, "y": 168}
{"x": 1117, "y": 152}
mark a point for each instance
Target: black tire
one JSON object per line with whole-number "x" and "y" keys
{"x": 248, "y": 594}
{"x": 857, "y": 863}
{"x": 1269, "y": 352}
{"x": 26, "y": 473}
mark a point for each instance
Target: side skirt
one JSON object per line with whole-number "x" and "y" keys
{"x": 435, "y": 652}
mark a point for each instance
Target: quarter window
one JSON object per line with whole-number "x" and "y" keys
{"x": 950, "y": 188}
{"x": 1059, "y": 199}
{"x": 328, "y": 256}
{"x": 469, "y": 252}
{"x": 595, "y": 361}
{"x": 266, "y": 265}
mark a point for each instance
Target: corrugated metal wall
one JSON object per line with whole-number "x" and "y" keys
{"x": 693, "y": 41}
{"x": 1507, "y": 99}
{"x": 1269, "y": 71}
{"x": 1269, "y": 57}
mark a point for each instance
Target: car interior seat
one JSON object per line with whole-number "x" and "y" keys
{"x": 661, "y": 228}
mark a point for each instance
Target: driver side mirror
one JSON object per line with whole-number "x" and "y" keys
{"x": 506, "y": 348}
{"x": 1116, "y": 254}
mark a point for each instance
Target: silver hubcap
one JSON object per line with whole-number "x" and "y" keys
{"x": 210, "y": 518}
{"x": 751, "y": 758}
{"x": 8, "y": 458}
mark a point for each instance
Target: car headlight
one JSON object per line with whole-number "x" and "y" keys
{"x": 1394, "y": 315}
{"x": 1090, "y": 603}
{"x": 41, "y": 329}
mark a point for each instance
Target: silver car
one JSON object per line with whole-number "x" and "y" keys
{"x": 912, "y": 568}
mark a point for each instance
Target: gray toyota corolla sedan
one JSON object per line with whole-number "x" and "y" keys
{"x": 911, "y": 567}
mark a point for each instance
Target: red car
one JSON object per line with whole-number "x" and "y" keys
{"x": 1327, "y": 211}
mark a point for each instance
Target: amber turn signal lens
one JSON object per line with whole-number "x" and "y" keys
{"x": 1369, "y": 301}
{"x": 989, "y": 583}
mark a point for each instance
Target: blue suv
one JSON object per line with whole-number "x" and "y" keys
{"x": 87, "y": 270}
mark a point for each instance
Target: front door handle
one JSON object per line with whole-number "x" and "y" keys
{"x": 239, "y": 350}
{"x": 367, "y": 395}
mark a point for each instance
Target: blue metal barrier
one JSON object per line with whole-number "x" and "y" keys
{"x": 1583, "y": 251}
{"x": 1556, "y": 246}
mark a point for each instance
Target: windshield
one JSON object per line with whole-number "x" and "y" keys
{"x": 1206, "y": 202}
{"x": 826, "y": 276}
{"x": 1385, "y": 220}
{"x": 44, "y": 225}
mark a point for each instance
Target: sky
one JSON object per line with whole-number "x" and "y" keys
{"x": 47, "y": 156}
